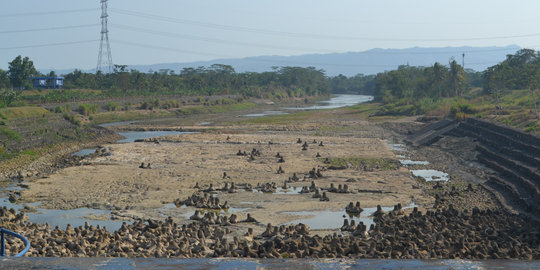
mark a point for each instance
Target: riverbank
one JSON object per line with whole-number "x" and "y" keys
{"x": 181, "y": 187}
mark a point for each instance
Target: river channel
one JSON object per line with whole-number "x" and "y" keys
{"x": 77, "y": 217}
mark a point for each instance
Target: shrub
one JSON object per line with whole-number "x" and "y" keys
{"x": 459, "y": 108}
{"x": 112, "y": 106}
{"x": 10, "y": 134}
{"x": 87, "y": 109}
{"x": 150, "y": 104}
{"x": 62, "y": 109}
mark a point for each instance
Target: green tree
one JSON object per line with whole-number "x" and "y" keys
{"x": 4, "y": 80}
{"x": 7, "y": 97}
{"x": 517, "y": 71}
{"x": 456, "y": 78}
{"x": 122, "y": 77}
{"x": 20, "y": 70}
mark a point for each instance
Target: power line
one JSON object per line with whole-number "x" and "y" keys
{"x": 47, "y": 29}
{"x": 214, "y": 40}
{"x": 252, "y": 59}
{"x": 300, "y": 35}
{"x": 167, "y": 48}
{"x": 49, "y": 44}
{"x": 258, "y": 45}
{"x": 47, "y": 12}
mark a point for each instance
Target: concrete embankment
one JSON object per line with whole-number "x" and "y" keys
{"x": 514, "y": 156}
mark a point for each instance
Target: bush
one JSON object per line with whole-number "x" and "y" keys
{"x": 112, "y": 106}
{"x": 10, "y": 134}
{"x": 62, "y": 109}
{"x": 170, "y": 104}
{"x": 150, "y": 104}
{"x": 87, "y": 109}
{"x": 459, "y": 109}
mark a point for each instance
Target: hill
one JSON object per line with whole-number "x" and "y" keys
{"x": 351, "y": 63}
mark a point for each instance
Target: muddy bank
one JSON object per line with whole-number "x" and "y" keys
{"x": 54, "y": 157}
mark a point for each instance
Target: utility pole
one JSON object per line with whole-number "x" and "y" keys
{"x": 463, "y": 60}
{"x": 105, "y": 63}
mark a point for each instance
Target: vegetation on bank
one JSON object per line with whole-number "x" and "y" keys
{"x": 283, "y": 82}
{"x": 128, "y": 115}
{"x": 436, "y": 90}
{"x": 362, "y": 163}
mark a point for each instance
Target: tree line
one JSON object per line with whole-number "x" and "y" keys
{"x": 518, "y": 71}
{"x": 407, "y": 84}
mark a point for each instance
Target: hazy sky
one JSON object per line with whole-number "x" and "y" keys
{"x": 162, "y": 31}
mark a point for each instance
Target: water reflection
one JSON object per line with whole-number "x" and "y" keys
{"x": 431, "y": 175}
{"x": 334, "y": 219}
{"x": 337, "y": 102}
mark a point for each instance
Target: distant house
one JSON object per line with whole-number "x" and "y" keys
{"x": 48, "y": 82}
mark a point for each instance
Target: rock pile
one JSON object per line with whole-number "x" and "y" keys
{"x": 204, "y": 201}
{"x": 354, "y": 209}
{"x": 445, "y": 233}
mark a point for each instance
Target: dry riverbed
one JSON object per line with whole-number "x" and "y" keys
{"x": 114, "y": 181}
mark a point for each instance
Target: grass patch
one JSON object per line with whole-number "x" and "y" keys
{"x": 201, "y": 109}
{"x": 22, "y": 112}
{"x": 361, "y": 163}
{"x": 281, "y": 119}
{"x": 118, "y": 116}
{"x": 10, "y": 134}
{"x": 109, "y": 117}
{"x": 29, "y": 153}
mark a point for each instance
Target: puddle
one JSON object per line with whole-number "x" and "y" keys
{"x": 337, "y": 102}
{"x": 169, "y": 206}
{"x": 397, "y": 147}
{"x": 289, "y": 191}
{"x": 75, "y": 217}
{"x": 334, "y": 219}
{"x": 413, "y": 162}
{"x": 431, "y": 175}
{"x": 131, "y": 136}
{"x": 221, "y": 212}
{"x": 84, "y": 152}
{"x": 265, "y": 113}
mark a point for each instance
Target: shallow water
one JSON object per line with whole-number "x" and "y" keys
{"x": 221, "y": 212}
{"x": 228, "y": 263}
{"x": 397, "y": 147}
{"x": 413, "y": 162}
{"x": 131, "y": 136}
{"x": 84, "y": 152}
{"x": 75, "y": 217}
{"x": 279, "y": 190}
{"x": 265, "y": 113}
{"x": 334, "y": 219}
{"x": 431, "y": 175}
{"x": 337, "y": 101}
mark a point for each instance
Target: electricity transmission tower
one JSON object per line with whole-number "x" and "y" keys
{"x": 105, "y": 62}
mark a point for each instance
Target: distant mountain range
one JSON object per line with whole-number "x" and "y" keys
{"x": 351, "y": 63}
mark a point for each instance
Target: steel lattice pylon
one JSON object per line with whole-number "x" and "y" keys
{"x": 105, "y": 63}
